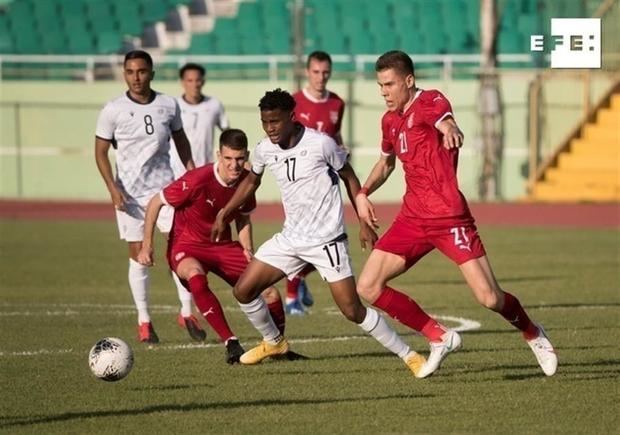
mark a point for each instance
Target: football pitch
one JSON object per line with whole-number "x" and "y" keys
{"x": 63, "y": 287}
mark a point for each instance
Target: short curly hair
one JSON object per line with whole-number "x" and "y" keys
{"x": 277, "y": 99}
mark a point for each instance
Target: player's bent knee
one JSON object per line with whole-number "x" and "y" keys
{"x": 490, "y": 300}
{"x": 353, "y": 312}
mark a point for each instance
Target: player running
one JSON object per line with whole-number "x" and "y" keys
{"x": 307, "y": 166}
{"x": 419, "y": 128}
{"x": 138, "y": 125}
{"x": 197, "y": 197}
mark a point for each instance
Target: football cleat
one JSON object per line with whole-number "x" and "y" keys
{"x": 193, "y": 327}
{"x": 233, "y": 350}
{"x": 295, "y": 308}
{"x": 544, "y": 352}
{"x": 450, "y": 342}
{"x": 264, "y": 350}
{"x": 146, "y": 333}
{"x": 415, "y": 362}
{"x": 304, "y": 293}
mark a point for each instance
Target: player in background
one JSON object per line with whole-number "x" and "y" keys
{"x": 138, "y": 125}
{"x": 307, "y": 166}
{"x": 420, "y": 129}
{"x": 319, "y": 108}
{"x": 201, "y": 114}
{"x": 197, "y": 197}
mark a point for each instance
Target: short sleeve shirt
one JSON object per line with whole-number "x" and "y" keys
{"x": 323, "y": 115}
{"x": 432, "y": 192}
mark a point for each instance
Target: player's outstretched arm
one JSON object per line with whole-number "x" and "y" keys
{"x": 102, "y": 147}
{"x": 245, "y": 190}
{"x": 367, "y": 234}
{"x": 244, "y": 230}
{"x": 145, "y": 256}
{"x": 184, "y": 149}
{"x": 379, "y": 174}
{"x": 452, "y": 135}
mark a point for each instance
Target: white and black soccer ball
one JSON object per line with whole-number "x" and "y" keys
{"x": 110, "y": 359}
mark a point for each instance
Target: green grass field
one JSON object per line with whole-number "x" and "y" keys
{"x": 63, "y": 286}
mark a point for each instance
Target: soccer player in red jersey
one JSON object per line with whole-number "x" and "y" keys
{"x": 420, "y": 129}
{"x": 318, "y": 108}
{"x": 197, "y": 197}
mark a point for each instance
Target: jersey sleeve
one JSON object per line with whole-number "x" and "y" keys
{"x": 258, "y": 160}
{"x": 387, "y": 144}
{"x": 177, "y": 123}
{"x": 181, "y": 191}
{"x": 106, "y": 124}
{"x": 437, "y": 109}
{"x": 222, "y": 119}
{"x": 335, "y": 155}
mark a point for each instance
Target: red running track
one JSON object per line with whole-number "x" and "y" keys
{"x": 500, "y": 214}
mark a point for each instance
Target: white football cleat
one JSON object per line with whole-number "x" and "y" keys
{"x": 544, "y": 352}
{"x": 450, "y": 342}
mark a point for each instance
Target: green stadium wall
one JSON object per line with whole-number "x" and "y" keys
{"x": 57, "y": 123}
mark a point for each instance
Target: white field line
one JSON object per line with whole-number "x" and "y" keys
{"x": 73, "y": 309}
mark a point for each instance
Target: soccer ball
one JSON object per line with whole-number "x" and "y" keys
{"x": 110, "y": 359}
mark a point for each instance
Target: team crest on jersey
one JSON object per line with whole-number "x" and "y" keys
{"x": 304, "y": 152}
{"x": 160, "y": 111}
{"x": 410, "y": 120}
{"x": 333, "y": 116}
{"x": 179, "y": 256}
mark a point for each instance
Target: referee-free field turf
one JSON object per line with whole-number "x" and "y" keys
{"x": 63, "y": 287}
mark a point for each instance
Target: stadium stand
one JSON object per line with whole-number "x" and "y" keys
{"x": 263, "y": 27}
{"x": 587, "y": 168}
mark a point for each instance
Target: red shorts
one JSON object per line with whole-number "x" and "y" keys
{"x": 411, "y": 240}
{"x": 226, "y": 260}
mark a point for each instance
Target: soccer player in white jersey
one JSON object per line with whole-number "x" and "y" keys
{"x": 200, "y": 114}
{"x": 307, "y": 166}
{"x": 139, "y": 124}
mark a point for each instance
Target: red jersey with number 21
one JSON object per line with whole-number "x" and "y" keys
{"x": 432, "y": 191}
{"x": 197, "y": 197}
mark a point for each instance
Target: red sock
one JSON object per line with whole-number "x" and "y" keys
{"x": 291, "y": 287}
{"x": 517, "y": 317}
{"x": 209, "y": 306}
{"x": 402, "y": 308}
{"x": 276, "y": 309}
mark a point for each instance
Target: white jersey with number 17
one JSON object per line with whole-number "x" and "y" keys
{"x": 141, "y": 135}
{"x": 307, "y": 177}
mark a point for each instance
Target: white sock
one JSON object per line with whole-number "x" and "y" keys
{"x": 139, "y": 284}
{"x": 184, "y": 296}
{"x": 258, "y": 314}
{"x": 376, "y": 326}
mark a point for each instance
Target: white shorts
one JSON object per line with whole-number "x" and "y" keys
{"x": 131, "y": 223}
{"x": 331, "y": 259}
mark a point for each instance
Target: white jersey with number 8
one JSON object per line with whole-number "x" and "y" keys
{"x": 141, "y": 135}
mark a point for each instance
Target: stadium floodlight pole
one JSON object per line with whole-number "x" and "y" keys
{"x": 298, "y": 33}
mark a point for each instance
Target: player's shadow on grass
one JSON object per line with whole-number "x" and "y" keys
{"x": 171, "y": 387}
{"x": 7, "y": 422}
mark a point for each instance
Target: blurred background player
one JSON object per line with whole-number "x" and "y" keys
{"x": 419, "y": 128}
{"x": 201, "y": 114}
{"x": 138, "y": 125}
{"x": 197, "y": 197}
{"x": 307, "y": 167}
{"x": 319, "y": 108}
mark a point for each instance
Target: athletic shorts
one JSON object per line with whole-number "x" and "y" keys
{"x": 330, "y": 259}
{"x": 131, "y": 222}
{"x": 226, "y": 260}
{"x": 458, "y": 241}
